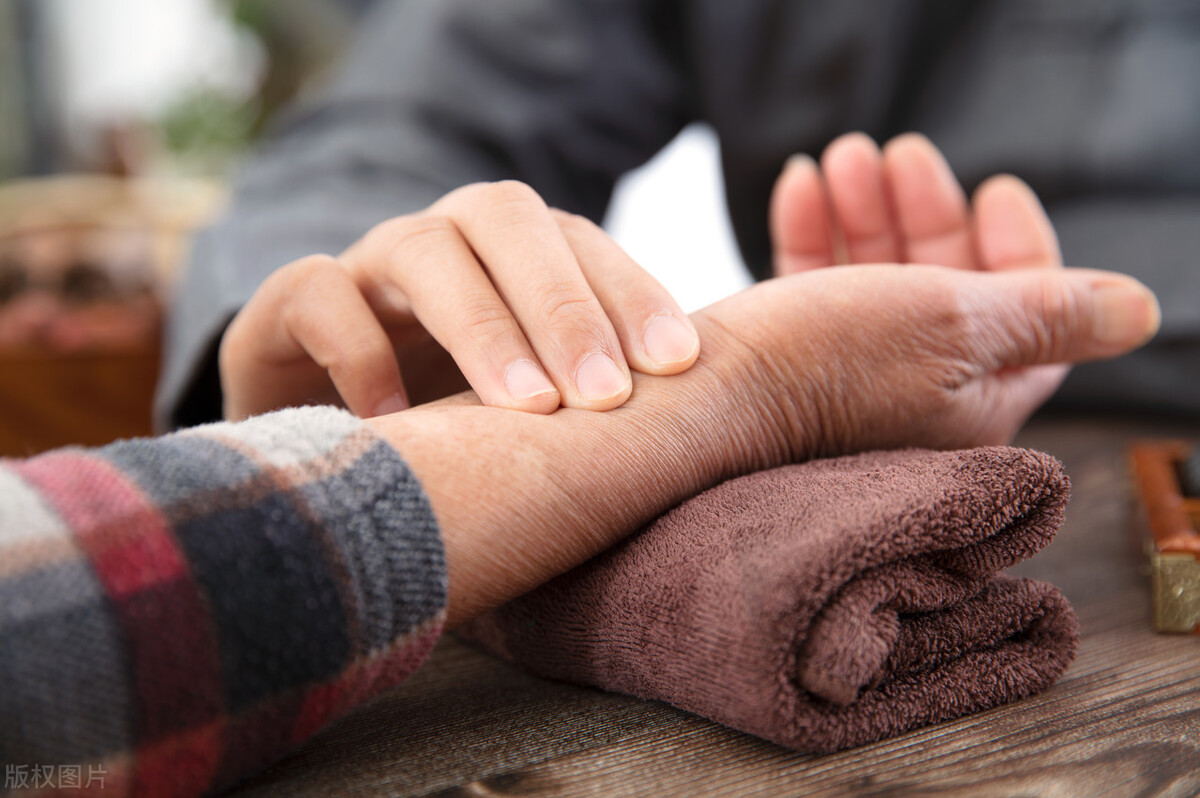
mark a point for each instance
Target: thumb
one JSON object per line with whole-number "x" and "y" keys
{"x": 1039, "y": 316}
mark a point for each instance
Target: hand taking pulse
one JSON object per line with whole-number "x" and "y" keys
{"x": 539, "y": 308}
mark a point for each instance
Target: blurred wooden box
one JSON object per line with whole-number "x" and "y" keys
{"x": 52, "y": 399}
{"x": 86, "y": 264}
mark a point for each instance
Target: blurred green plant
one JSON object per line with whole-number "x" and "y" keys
{"x": 300, "y": 38}
{"x": 205, "y": 128}
{"x": 252, "y": 14}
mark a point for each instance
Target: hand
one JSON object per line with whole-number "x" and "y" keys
{"x": 903, "y": 204}
{"x": 827, "y": 362}
{"x": 893, "y": 356}
{"x": 537, "y": 307}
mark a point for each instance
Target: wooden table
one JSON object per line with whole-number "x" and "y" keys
{"x": 1124, "y": 720}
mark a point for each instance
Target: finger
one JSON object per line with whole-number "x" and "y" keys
{"x": 1011, "y": 227}
{"x": 309, "y": 325}
{"x": 1037, "y": 317}
{"x": 853, "y": 168}
{"x": 931, "y": 208}
{"x": 425, "y": 258}
{"x": 656, "y": 335}
{"x": 536, "y": 274}
{"x": 801, "y": 228}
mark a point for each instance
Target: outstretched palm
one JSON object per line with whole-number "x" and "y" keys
{"x": 902, "y": 204}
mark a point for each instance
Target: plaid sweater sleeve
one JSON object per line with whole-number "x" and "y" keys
{"x": 176, "y": 613}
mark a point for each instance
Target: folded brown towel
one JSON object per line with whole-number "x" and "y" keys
{"x": 822, "y": 605}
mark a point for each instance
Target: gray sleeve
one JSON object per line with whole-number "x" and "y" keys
{"x": 565, "y": 96}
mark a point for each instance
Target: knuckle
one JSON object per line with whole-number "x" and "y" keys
{"x": 512, "y": 192}
{"x": 487, "y": 323}
{"x": 314, "y": 301}
{"x": 295, "y": 312}
{"x": 944, "y": 334}
{"x": 1057, "y": 312}
{"x": 417, "y": 234}
{"x": 937, "y": 316}
{"x": 951, "y": 316}
{"x": 563, "y": 307}
{"x": 511, "y": 202}
{"x": 307, "y": 283}
{"x": 359, "y": 357}
{"x": 572, "y": 221}
{"x": 306, "y": 270}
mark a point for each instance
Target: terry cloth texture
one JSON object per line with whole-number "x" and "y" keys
{"x": 176, "y": 613}
{"x": 820, "y": 606}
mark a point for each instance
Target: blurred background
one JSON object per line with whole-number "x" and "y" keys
{"x": 118, "y": 120}
{"x": 119, "y": 123}
{"x": 138, "y": 86}
{"x": 122, "y": 122}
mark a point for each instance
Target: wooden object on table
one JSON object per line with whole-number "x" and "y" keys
{"x": 1172, "y": 518}
{"x": 50, "y": 399}
{"x": 1122, "y": 721}
{"x": 86, "y": 263}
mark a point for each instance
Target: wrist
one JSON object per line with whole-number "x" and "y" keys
{"x": 521, "y": 498}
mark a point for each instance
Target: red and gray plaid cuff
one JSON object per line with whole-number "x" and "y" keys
{"x": 179, "y": 612}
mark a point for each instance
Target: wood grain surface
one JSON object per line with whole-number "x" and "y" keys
{"x": 1124, "y": 720}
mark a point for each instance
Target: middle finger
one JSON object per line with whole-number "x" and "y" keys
{"x": 535, "y": 272}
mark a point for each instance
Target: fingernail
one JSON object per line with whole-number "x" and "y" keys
{"x": 800, "y": 160}
{"x": 599, "y": 378}
{"x": 393, "y": 404}
{"x": 668, "y": 340}
{"x": 1127, "y": 313}
{"x": 524, "y": 380}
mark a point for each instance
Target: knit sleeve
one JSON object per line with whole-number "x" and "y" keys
{"x": 176, "y": 613}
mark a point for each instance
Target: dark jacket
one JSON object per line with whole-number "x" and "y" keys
{"x": 1096, "y": 103}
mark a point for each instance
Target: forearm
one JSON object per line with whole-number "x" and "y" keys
{"x": 209, "y": 598}
{"x": 521, "y": 498}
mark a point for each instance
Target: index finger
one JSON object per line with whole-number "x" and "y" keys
{"x": 536, "y": 273}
